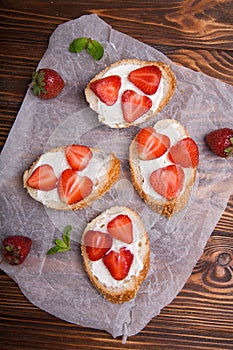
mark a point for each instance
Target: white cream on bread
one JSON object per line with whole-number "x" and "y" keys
{"x": 96, "y": 171}
{"x": 141, "y": 171}
{"x": 119, "y": 291}
{"x": 175, "y": 134}
{"x": 112, "y": 115}
{"x": 103, "y": 169}
{"x": 98, "y": 268}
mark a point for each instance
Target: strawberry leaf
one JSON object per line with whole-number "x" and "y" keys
{"x": 62, "y": 245}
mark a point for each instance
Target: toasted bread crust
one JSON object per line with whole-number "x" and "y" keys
{"x": 170, "y": 84}
{"x": 163, "y": 207}
{"x": 126, "y": 293}
{"x": 112, "y": 175}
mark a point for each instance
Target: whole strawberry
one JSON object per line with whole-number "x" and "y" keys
{"x": 220, "y": 142}
{"x": 47, "y": 83}
{"x": 15, "y": 249}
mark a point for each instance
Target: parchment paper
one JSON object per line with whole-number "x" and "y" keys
{"x": 58, "y": 284}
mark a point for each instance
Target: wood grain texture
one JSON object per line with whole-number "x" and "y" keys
{"x": 194, "y": 33}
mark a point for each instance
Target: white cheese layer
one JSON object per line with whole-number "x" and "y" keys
{"x": 112, "y": 115}
{"x": 96, "y": 170}
{"x": 99, "y": 269}
{"x": 175, "y": 133}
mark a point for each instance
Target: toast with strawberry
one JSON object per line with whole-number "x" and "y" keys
{"x": 71, "y": 177}
{"x": 130, "y": 91}
{"x": 116, "y": 253}
{"x": 163, "y": 164}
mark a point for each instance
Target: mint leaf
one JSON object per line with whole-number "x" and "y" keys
{"x": 93, "y": 47}
{"x": 78, "y": 44}
{"x": 67, "y": 230}
{"x": 53, "y": 250}
{"x": 62, "y": 245}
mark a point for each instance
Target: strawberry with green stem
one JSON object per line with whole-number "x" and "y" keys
{"x": 220, "y": 142}
{"x": 46, "y": 83}
{"x": 15, "y": 249}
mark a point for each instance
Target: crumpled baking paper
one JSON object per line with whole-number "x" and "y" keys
{"x": 58, "y": 284}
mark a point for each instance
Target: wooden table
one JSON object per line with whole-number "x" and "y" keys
{"x": 196, "y": 34}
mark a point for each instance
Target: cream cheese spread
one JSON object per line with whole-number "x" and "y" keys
{"x": 112, "y": 115}
{"x": 95, "y": 170}
{"x": 175, "y": 133}
{"x": 99, "y": 269}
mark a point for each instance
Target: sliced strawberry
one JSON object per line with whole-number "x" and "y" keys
{"x": 107, "y": 89}
{"x": 121, "y": 228}
{"x": 97, "y": 244}
{"x": 43, "y": 178}
{"x": 72, "y": 188}
{"x": 184, "y": 153}
{"x": 118, "y": 263}
{"x": 146, "y": 79}
{"x": 151, "y": 144}
{"x": 168, "y": 181}
{"x": 78, "y": 156}
{"x": 134, "y": 105}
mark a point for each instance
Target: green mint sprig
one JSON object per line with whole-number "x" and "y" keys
{"x": 93, "y": 47}
{"x": 62, "y": 245}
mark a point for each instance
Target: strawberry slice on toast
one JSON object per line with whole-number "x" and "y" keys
{"x": 43, "y": 178}
{"x": 78, "y": 156}
{"x": 151, "y": 144}
{"x": 72, "y": 187}
{"x": 118, "y": 263}
{"x": 184, "y": 153}
{"x": 107, "y": 89}
{"x": 121, "y": 228}
{"x": 97, "y": 244}
{"x": 134, "y": 105}
{"x": 168, "y": 181}
{"x": 146, "y": 79}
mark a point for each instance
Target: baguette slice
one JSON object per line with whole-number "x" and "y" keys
{"x": 119, "y": 291}
{"x": 103, "y": 169}
{"x": 112, "y": 115}
{"x": 142, "y": 169}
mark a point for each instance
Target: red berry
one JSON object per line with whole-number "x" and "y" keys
{"x": 134, "y": 105}
{"x": 168, "y": 181}
{"x": 43, "y": 178}
{"x": 107, "y": 89}
{"x": 73, "y": 188}
{"x": 220, "y": 142}
{"x": 146, "y": 79}
{"x": 47, "y": 83}
{"x": 151, "y": 144}
{"x": 97, "y": 244}
{"x": 78, "y": 156}
{"x": 118, "y": 263}
{"x": 15, "y": 249}
{"x": 121, "y": 228}
{"x": 184, "y": 153}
